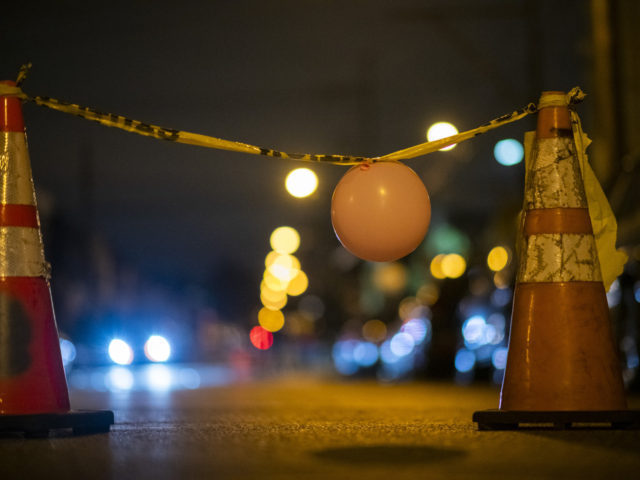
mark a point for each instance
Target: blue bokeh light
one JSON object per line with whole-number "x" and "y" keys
{"x": 473, "y": 330}
{"x": 465, "y": 360}
{"x": 67, "y": 351}
{"x": 343, "y": 356}
{"x": 501, "y": 297}
{"x": 508, "y": 152}
{"x": 499, "y": 358}
{"x": 417, "y": 328}
{"x": 402, "y": 344}
{"x": 386, "y": 354}
{"x": 365, "y": 354}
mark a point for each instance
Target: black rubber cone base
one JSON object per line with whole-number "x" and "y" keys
{"x": 559, "y": 420}
{"x": 81, "y": 422}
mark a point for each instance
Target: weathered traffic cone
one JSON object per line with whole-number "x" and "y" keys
{"x": 33, "y": 388}
{"x": 562, "y": 366}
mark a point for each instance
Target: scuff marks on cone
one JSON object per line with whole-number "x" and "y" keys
{"x": 15, "y": 337}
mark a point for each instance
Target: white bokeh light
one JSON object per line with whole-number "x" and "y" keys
{"x": 442, "y": 130}
{"x": 301, "y": 182}
{"x": 120, "y": 352}
{"x": 402, "y": 344}
{"x": 157, "y": 349}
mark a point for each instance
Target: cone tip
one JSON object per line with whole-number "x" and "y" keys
{"x": 10, "y": 112}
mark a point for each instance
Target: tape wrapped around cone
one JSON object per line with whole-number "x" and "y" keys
{"x": 562, "y": 353}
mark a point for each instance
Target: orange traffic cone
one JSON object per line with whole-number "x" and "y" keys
{"x": 33, "y": 389}
{"x": 562, "y": 366}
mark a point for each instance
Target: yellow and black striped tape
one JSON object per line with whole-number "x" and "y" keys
{"x": 179, "y": 136}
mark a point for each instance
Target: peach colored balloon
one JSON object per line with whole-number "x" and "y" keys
{"x": 380, "y": 211}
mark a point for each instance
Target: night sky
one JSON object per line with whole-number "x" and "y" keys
{"x": 314, "y": 76}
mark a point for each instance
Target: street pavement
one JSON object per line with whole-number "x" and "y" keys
{"x": 308, "y": 427}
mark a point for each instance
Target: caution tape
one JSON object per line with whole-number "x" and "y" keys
{"x": 603, "y": 221}
{"x": 180, "y": 136}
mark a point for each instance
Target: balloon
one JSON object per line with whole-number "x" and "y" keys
{"x": 380, "y": 211}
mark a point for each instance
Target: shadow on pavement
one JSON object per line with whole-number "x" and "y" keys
{"x": 625, "y": 440}
{"x": 389, "y": 454}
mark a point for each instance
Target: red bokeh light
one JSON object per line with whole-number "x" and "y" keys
{"x": 261, "y": 338}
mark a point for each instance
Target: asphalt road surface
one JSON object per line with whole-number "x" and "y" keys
{"x": 311, "y": 428}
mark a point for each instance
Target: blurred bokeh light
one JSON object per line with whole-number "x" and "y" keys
{"x": 442, "y": 130}
{"x": 285, "y": 240}
{"x": 498, "y": 258}
{"x": 301, "y": 182}
{"x": 120, "y": 352}
{"x": 261, "y": 338}
{"x": 508, "y": 152}
{"x": 374, "y": 331}
{"x": 271, "y": 320}
{"x": 157, "y": 349}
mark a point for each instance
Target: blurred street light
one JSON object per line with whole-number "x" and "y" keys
{"x": 301, "y": 182}
{"x": 442, "y": 130}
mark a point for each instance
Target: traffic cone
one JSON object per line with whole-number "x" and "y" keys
{"x": 33, "y": 389}
{"x": 562, "y": 366}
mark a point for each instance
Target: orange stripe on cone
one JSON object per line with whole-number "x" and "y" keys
{"x": 18, "y": 216}
{"x": 557, "y": 220}
{"x": 561, "y": 354}
{"x": 11, "y": 112}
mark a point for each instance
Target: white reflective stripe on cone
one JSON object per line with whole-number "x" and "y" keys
{"x": 21, "y": 253}
{"x": 16, "y": 183}
{"x": 559, "y": 257}
{"x": 555, "y": 180}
